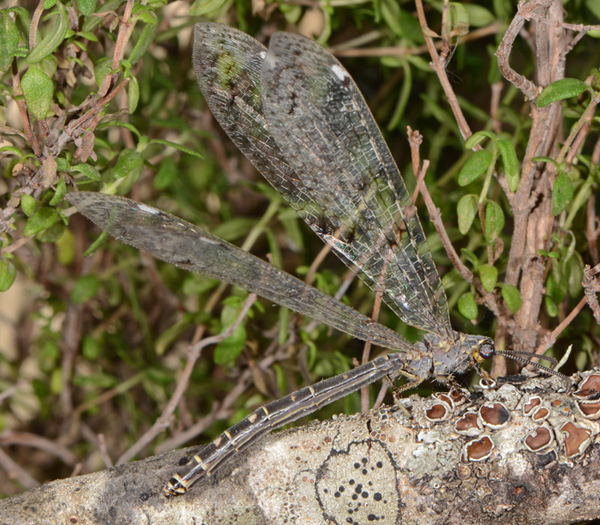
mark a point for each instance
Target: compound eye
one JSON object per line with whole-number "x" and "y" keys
{"x": 487, "y": 350}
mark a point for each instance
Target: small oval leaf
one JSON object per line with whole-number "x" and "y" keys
{"x": 41, "y": 220}
{"x": 129, "y": 161}
{"x": 489, "y": 276}
{"x": 38, "y": 90}
{"x": 28, "y": 204}
{"x": 87, "y": 7}
{"x": 85, "y": 288}
{"x": 561, "y": 90}
{"x": 551, "y": 307}
{"x": 467, "y": 211}
{"x": 467, "y": 306}
{"x": 494, "y": 222}
{"x": 562, "y": 194}
{"x": 88, "y": 171}
{"x": 477, "y": 138}
{"x": 8, "y": 274}
{"x": 474, "y": 167}
{"x": 511, "y": 163}
{"x": 511, "y": 297}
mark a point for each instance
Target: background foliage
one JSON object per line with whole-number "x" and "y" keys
{"x": 102, "y": 96}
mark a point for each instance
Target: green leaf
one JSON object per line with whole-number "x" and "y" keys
{"x": 478, "y": 137}
{"x": 65, "y": 248}
{"x": 476, "y": 166}
{"x": 128, "y": 163}
{"x": 494, "y": 222}
{"x": 551, "y": 306}
{"x": 9, "y": 41}
{"x": 459, "y": 19}
{"x": 53, "y": 233}
{"x": 48, "y": 65}
{"x": 479, "y": 16}
{"x": 53, "y": 38}
{"x": 167, "y": 173}
{"x": 471, "y": 257}
{"x": 467, "y": 211}
{"x": 176, "y": 146}
{"x": 87, "y": 7}
{"x": 511, "y": 297}
{"x": 511, "y": 163}
{"x": 561, "y": 90}
{"x": 85, "y": 289}
{"x": 88, "y": 171}
{"x": 489, "y": 276}
{"x": 90, "y": 348}
{"x": 146, "y": 38}
{"x": 8, "y": 274}
{"x": 38, "y": 90}
{"x": 59, "y": 194}
{"x": 133, "y": 94}
{"x": 102, "y": 68}
{"x": 562, "y": 194}
{"x": 97, "y": 244}
{"x": 541, "y": 158}
{"x": 28, "y": 204}
{"x": 41, "y": 220}
{"x": 467, "y": 306}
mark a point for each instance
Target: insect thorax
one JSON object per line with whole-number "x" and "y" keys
{"x": 454, "y": 356}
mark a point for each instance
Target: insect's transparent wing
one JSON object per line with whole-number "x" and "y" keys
{"x": 178, "y": 242}
{"x": 357, "y": 200}
{"x": 228, "y": 63}
{"x": 228, "y": 66}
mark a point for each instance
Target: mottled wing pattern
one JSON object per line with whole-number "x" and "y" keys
{"x": 228, "y": 63}
{"x": 298, "y": 116}
{"x": 178, "y": 242}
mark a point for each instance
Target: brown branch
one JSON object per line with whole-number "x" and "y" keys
{"x": 404, "y": 463}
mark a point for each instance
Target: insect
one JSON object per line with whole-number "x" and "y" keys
{"x": 296, "y": 113}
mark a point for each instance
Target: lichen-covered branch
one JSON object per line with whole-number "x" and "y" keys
{"x": 526, "y": 452}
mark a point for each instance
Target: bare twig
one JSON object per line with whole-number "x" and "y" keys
{"x": 27, "y": 439}
{"x": 14, "y": 471}
{"x": 551, "y": 338}
{"x": 438, "y": 66}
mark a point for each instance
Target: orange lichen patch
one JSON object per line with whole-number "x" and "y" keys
{"x": 591, "y": 410}
{"x": 540, "y": 414}
{"x": 531, "y": 404}
{"x": 495, "y": 415}
{"x": 437, "y": 412}
{"x": 578, "y": 440}
{"x": 589, "y": 387}
{"x": 468, "y": 424}
{"x": 479, "y": 449}
{"x": 540, "y": 440}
